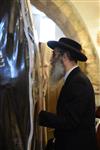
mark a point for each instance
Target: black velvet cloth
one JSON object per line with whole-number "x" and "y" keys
{"x": 14, "y": 80}
{"x": 14, "y": 116}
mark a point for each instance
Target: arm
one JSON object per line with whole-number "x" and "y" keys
{"x": 73, "y": 111}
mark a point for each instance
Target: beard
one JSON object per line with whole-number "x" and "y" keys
{"x": 57, "y": 72}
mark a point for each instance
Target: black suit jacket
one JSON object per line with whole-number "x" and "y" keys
{"x": 74, "y": 121}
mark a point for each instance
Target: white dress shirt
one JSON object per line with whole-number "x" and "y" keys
{"x": 68, "y": 72}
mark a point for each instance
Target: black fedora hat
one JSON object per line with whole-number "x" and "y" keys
{"x": 66, "y": 44}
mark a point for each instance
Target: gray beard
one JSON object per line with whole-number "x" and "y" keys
{"x": 57, "y": 72}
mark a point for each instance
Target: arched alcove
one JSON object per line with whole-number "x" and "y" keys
{"x": 64, "y": 14}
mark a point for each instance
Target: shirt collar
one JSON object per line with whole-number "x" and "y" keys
{"x": 68, "y": 72}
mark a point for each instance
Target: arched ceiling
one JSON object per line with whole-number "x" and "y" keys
{"x": 70, "y": 21}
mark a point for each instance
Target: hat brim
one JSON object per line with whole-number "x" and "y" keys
{"x": 54, "y": 44}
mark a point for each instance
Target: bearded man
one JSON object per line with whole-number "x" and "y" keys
{"x": 74, "y": 121}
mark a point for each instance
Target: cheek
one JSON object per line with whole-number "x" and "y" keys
{"x": 63, "y": 65}
{"x": 62, "y": 62}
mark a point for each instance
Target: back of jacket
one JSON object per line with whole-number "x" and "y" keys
{"x": 76, "y": 105}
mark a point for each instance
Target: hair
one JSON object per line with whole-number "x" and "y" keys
{"x": 70, "y": 55}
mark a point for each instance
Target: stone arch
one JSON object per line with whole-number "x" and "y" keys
{"x": 64, "y": 14}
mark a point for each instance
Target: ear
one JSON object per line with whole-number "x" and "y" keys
{"x": 65, "y": 59}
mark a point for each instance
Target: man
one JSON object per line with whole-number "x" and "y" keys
{"x": 74, "y": 122}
